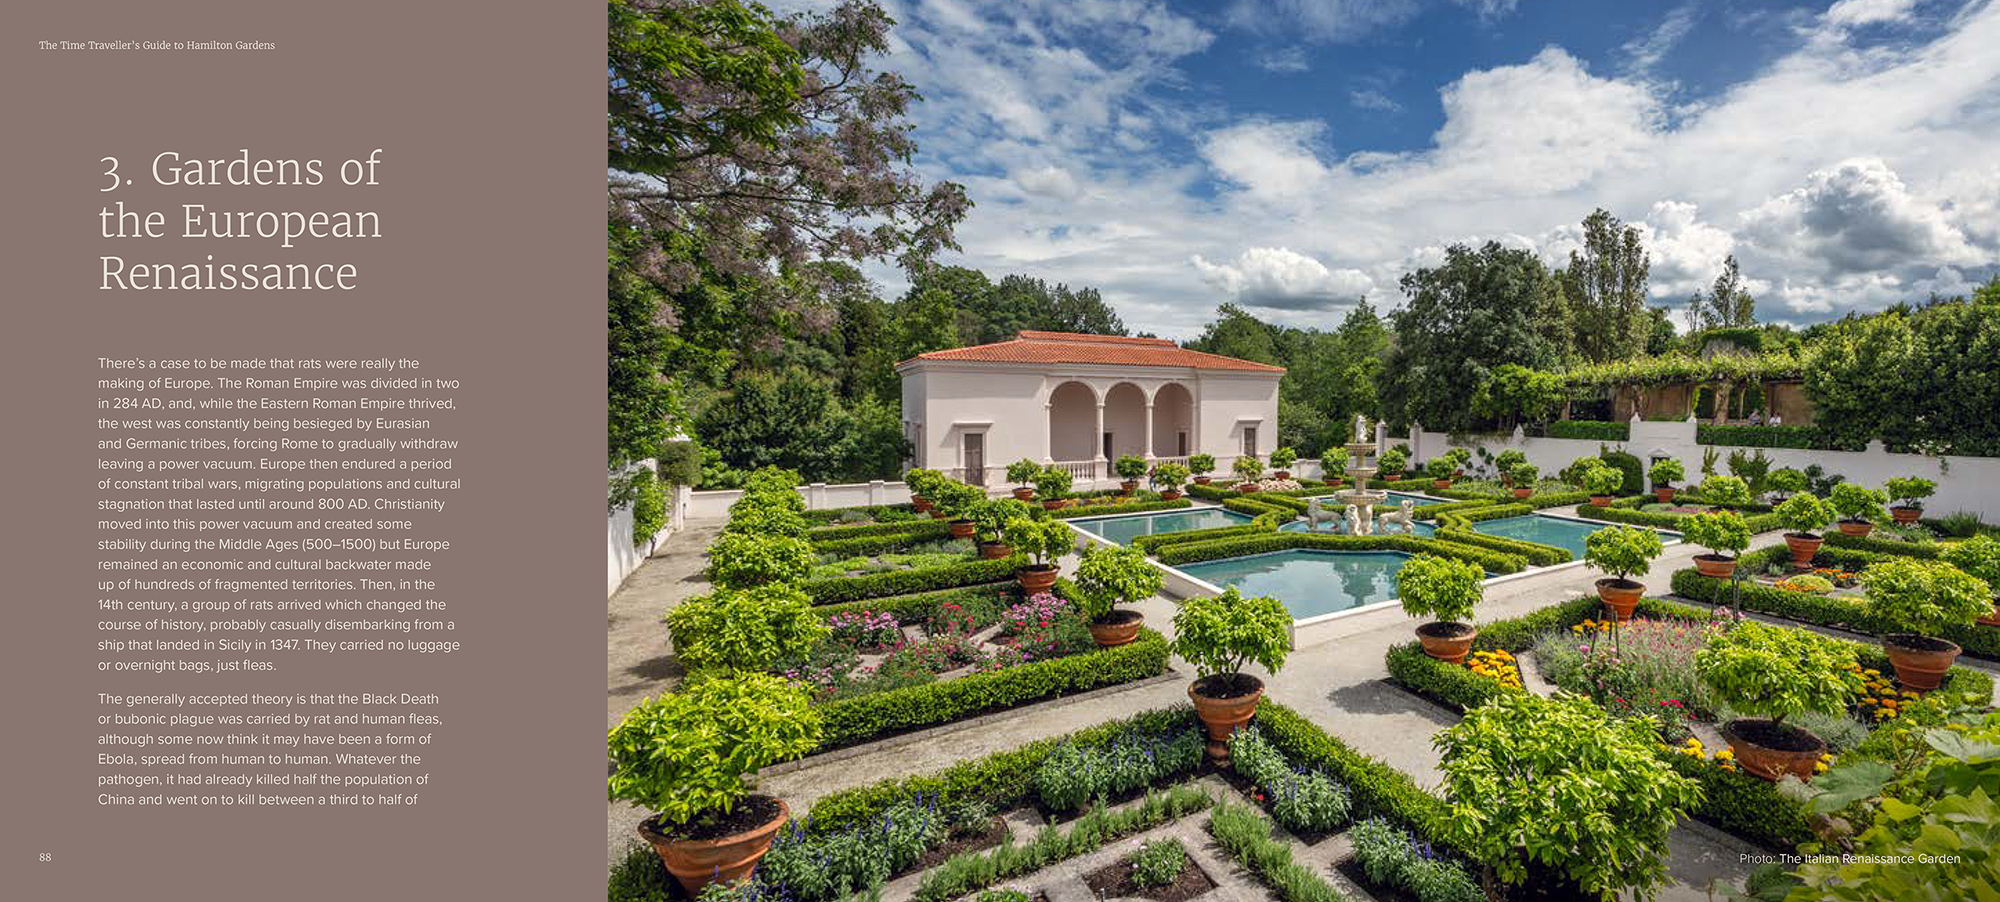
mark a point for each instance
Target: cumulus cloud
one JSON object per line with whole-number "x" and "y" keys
{"x": 1047, "y": 181}
{"x": 1854, "y": 217}
{"x": 1283, "y": 279}
{"x": 1272, "y": 160}
{"x": 1851, "y": 13}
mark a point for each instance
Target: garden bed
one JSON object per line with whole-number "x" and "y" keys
{"x": 1238, "y": 546}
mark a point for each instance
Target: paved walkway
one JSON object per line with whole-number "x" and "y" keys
{"x": 1337, "y": 681}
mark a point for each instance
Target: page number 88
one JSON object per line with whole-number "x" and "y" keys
{"x": 45, "y": 857}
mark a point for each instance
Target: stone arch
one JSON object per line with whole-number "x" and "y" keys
{"x": 1073, "y": 422}
{"x": 1125, "y": 419}
{"x": 1173, "y": 414}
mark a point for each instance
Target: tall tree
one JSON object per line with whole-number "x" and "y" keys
{"x": 1466, "y": 317}
{"x": 1605, "y": 287}
{"x": 1727, "y": 305}
{"x": 1236, "y": 333}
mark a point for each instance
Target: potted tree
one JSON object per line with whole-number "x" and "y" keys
{"x": 1909, "y": 492}
{"x": 1522, "y": 477}
{"x": 956, "y": 501}
{"x": 684, "y": 756}
{"x": 991, "y": 517}
{"x": 1506, "y": 461}
{"x": 1044, "y": 542}
{"x": 1333, "y": 465}
{"x": 1201, "y": 465}
{"x": 1445, "y": 590}
{"x": 1725, "y": 534}
{"x": 1785, "y": 481}
{"x": 1623, "y": 552}
{"x": 1602, "y": 481}
{"x": 1247, "y": 468}
{"x": 1392, "y": 463}
{"x": 1979, "y": 557}
{"x": 922, "y": 482}
{"x": 1110, "y": 576}
{"x": 1220, "y": 635}
{"x": 1665, "y": 472}
{"x": 1022, "y": 474}
{"x": 1860, "y": 508}
{"x": 1439, "y": 469}
{"x": 1459, "y": 457}
{"x": 1803, "y": 515}
{"x": 1168, "y": 479}
{"x": 1129, "y": 468}
{"x": 1052, "y": 486}
{"x": 740, "y": 560}
{"x": 1724, "y": 490}
{"x": 1923, "y": 597}
{"x": 1778, "y": 672}
{"x": 1281, "y": 462}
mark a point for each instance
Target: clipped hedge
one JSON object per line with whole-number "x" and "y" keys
{"x": 1106, "y": 510}
{"x": 1927, "y": 550}
{"x": 836, "y": 589}
{"x": 1537, "y": 554}
{"x": 1248, "y": 505}
{"x": 915, "y": 608}
{"x": 1840, "y": 612}
{"x": 1747, "y": 436}
{"x": 1463, "y": 519}
{"x": 1151, "y": 544}
{"x": 872, "y": 511}
{"x": 1493, "y": 561}
{"x": 880, "y": 542}
{"x": 1379, "y": 789}
{"x": 1595, "y": 430}
{"x": 865, "y": 717}
{"x": 1660, "y": 520}
{"x": 820, "y": 534}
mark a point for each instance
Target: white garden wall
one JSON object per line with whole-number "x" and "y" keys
{"x": 621, "y": 557}
{"x": 1964, "y": 483}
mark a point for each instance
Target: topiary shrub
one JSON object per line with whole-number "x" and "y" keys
{"x": 1248, "y": 468}
{"x": 1201, "y": 464}
{"x": 1723, "y": 532}
{"x": 1053, "y": 483}
{"x": 1857, "y": 504}
{"x": 740, "y": 560}
{"x": 1725, "y": 490}
{"x": 1632, "y": 471}
{"x": 1805, "y": 514}
{"x": 1779, "y": 672}
{"x": 1622, "y": 551}
{"x": 1394, "y": 461}
{"x": 1602, "y": 480}
{"x": 684, "y": 755}
{"x": 1221, "y": 634}
{"x": 1129, "y": 467}
{"x": 1925, "y": 597}
{"x": 744, "y": 629}
{"x": 1665, "y": 472}
{"x": 1283, "y": 458}
{"x": 1910, "y": 491}
{"x": 1111, "y": 576}
{"x": 1979, "y": 558}
{"x": 1333, "y": 463}
{"x": 1023, "y": 472}
{"x": 1441, "y": 588}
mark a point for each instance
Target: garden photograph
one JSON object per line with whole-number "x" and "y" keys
{"x": 1418, "y": 451}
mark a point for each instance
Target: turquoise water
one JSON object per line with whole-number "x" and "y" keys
{"x": 1124, "y": 529}
{"x": 1309, "y": 582}
{"x": 1395, "y": 498}
{"x": 1422, "y": 528}
{"x": 1545, "y": 530}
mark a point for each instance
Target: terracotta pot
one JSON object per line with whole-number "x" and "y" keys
{"x": 1664, "y": 494}
{"x": 1393, "y": 477}
{"x": 697, "y": 863}
{"x": 1129, "y": 486}
{"x": 1056, "y": 505}
{"x": 1906, "y": 515}
{"x": 1037, "y": 578}
{"x": 1803, "y": 545}
{"x": 1856, "y": 528}
{"x": 1024, "y": 493}
{"x": 1917, "y": 667}
{"x": 963, "y": 529}
{"x": 1771, "y": 763}
{"x": 1123, "y": 628}
{"x": 1620, "y": 595}
{"x": 1440, "y": 483}
{"x": 1223, "y": 716}
{"x": 1170, "y": 495}
{"x": 1523, "y": 492}
{"x": 1714, "y": 565}
{"x": 1247, "y": 487}
{"x": 1282, "y": 474}
{"x": 938, "y": 514}
{"x": 995, "y": 550}
{"x": 1992, "y": 619}
{"x": 920, "y": 503}
{"x": 1201, "y": 480}
{"x": 1600, "y": 501}
{"x": 1446, "y": 645}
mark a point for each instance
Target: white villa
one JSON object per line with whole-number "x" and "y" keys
{"x": 1082, "y": 401}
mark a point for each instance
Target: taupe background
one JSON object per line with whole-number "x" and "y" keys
{"x": 489, "y": 271}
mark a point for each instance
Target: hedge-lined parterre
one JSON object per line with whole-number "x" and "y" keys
{"x": 1493, "y": 561}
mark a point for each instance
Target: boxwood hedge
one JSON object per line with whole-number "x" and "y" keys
{"x": 915, "y": 608}
{"x": 876, "y": 543}
{"x": 1493, "y": 561}
{"x": 1898, "y": 547}
{"x": 1153, "y": 543}
{"x": 1661, "y": 520}
{"x": 820, "y": 534}
{"x": 1537, "y": 554}
{"x": 1131, "y": 507}
{"x": 835, "y": 589}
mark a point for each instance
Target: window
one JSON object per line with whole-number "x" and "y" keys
{"x": 975, "y": 458}
{"x": 1180, "y": 444}
{"x": 1250, "y": 441}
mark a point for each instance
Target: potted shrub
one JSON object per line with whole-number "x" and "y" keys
{"x": 1909, "y": 492}
{"x": 1281, "y": 462}
{"x": 684, "y": 756}
{"x": 1220, "y": 635}
{"x": 1725, "y": 534}
{"x": 1665, "y": 472}
{"x": 1052, "y": 486}
{"x": 1392, "y": 464}
{"x": 1859, "y": 508}
{"x": 956, "y": 501}
{"x": 922, "y": 482}
{"x": 1602, "y": 482}
{"x": 1724, "y": 490}
{"x": 740, "y": 560}
{"x": 1506, "y": 461}
{"x": 1201, "y": 465}
{"x": 1022, "y": 474}
{"x": 744, "y": 629}
{"x": 1459, "y": 457}
{"x": 1785, "y": 481}
{"x": 1803, "y": 515}
{"x": 1130, "y": 468}
{"x": 1522, "y": 477}
{"x": 1623, "y": 552}
{"x": 1445, "y": 590}
{"x": 1439, "y": 469}
{"x": 1247, "y": 468}
{"x": 1168, "y": 479}
{"x": 1553, "y": 794}
{"x": 1108, "y": 577}
{"x": 1778, "y": 672}
{"x": 1044, "y": 542}
{"x": 1923, "y": 597}
{"x": 991, "y": 518}
{"x": 1333, "y": 465}
{"x": 1979, "y": 558}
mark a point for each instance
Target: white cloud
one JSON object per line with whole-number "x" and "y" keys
{"x": 1856, "y": 217}
{"x": 1490, "y": 10}
{"x": 1373, "y": 99}
{"x": 1047, "y": 181}
{"x": 1283, "y": 279}
{"x": 1284, "y": 59}
{"x": 1851, "y": 13}
{"x": 1272, "y": 160}
{"x": 1329, "y": 21}
{"x": 1644, "y": 53}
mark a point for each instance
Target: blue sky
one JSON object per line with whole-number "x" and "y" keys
{"x": 1294, "y": 156}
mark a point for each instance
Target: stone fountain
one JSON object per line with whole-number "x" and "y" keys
{"x": 1360, "y": 499}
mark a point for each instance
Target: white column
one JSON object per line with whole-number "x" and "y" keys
{"x": 1048, "y": 430}
{"x": 1147, "y": 435}
{"x": 1097, "y": 444}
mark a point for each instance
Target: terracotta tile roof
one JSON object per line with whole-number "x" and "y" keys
{"x": 1072, "y": 347}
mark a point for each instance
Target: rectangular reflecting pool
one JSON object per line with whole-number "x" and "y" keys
{"x": 1542, "y": 529}
{"x": 1124, "y": 529}
{"x": 1310, "y": 582}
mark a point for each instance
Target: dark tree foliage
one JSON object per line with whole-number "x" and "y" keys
{"x": 1726, "y": 305}
{"x": 1605, "y": 287}
{"x": 1329, "y": 376}
{"x": 1467, "y": 316}
{"x": 989, "y": 312}
{"x": 1925, "y": 379}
